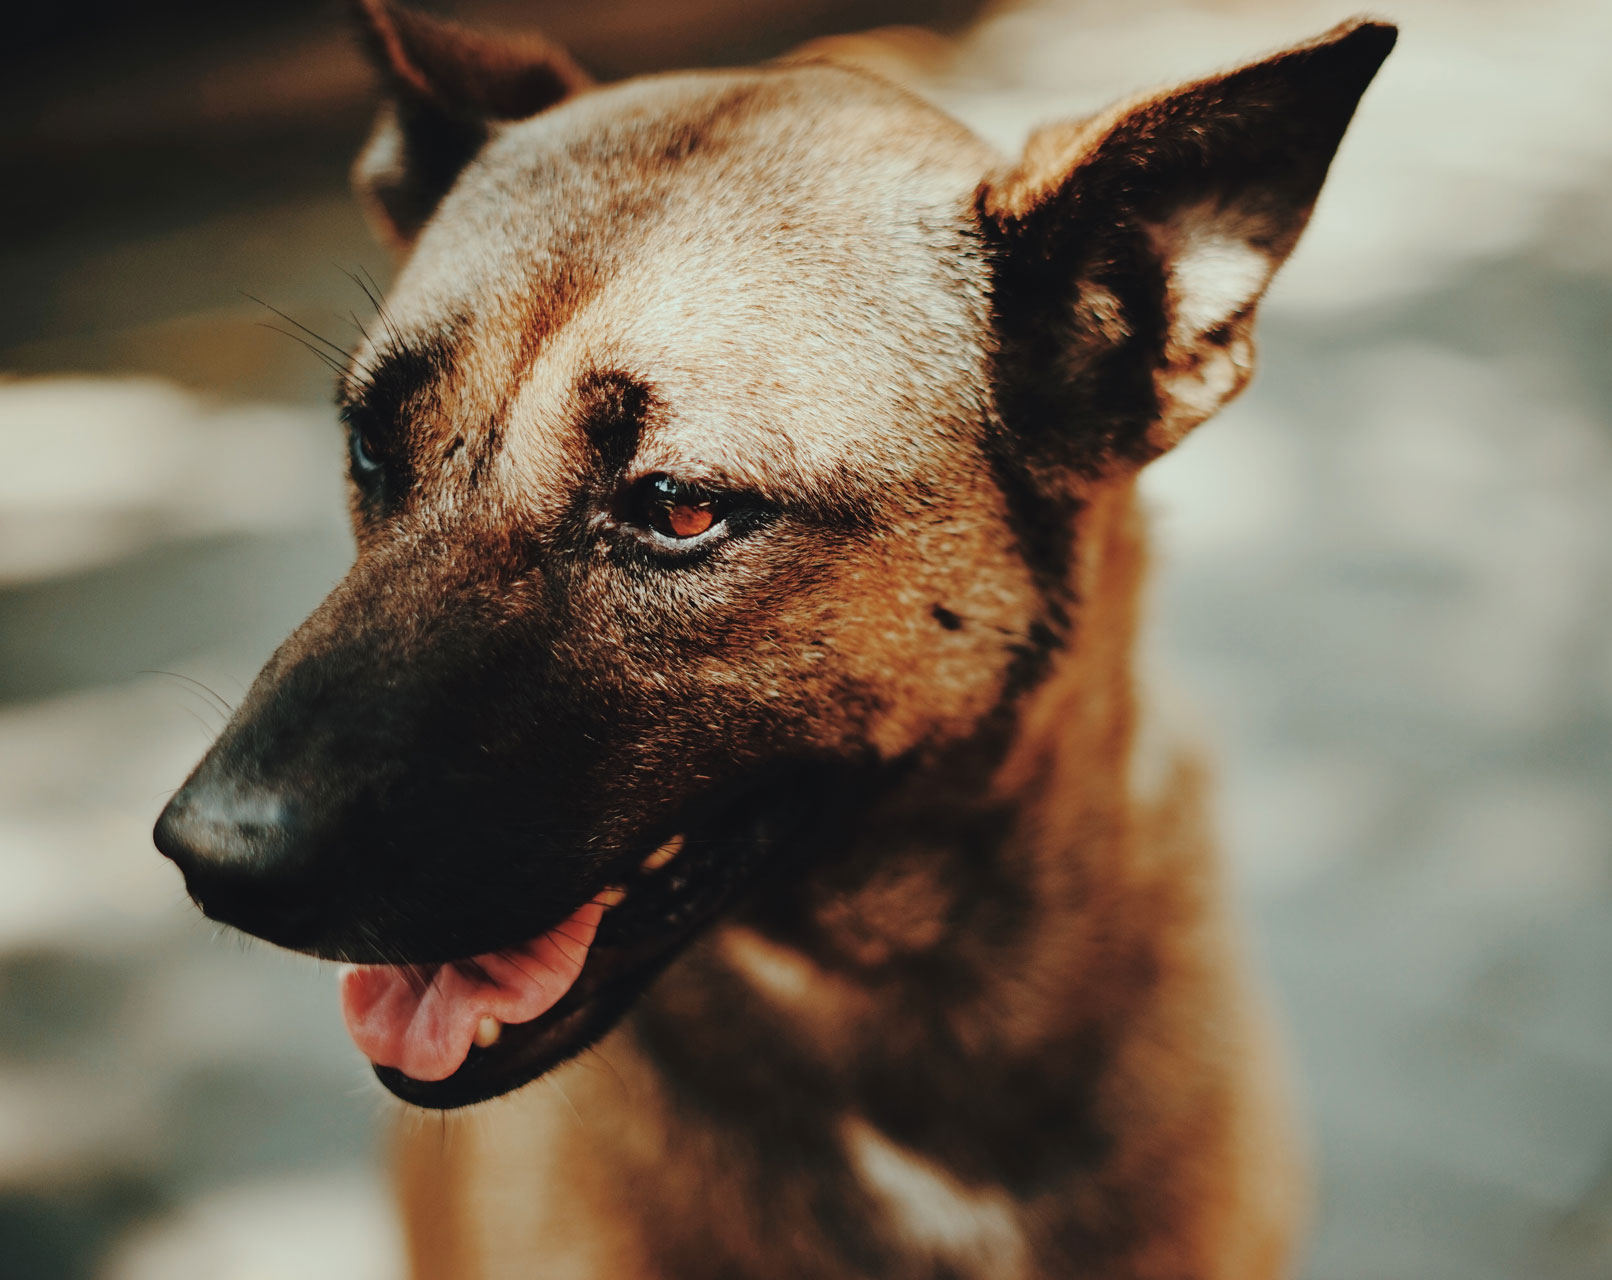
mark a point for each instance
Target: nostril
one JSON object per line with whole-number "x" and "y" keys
{"x": 241, "y": 857}
{"x": 182, "y": 836}
{"x": 217, "y": 827}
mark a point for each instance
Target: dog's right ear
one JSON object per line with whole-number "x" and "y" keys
{"x": 1132, "y": 248}
{"x": 445, "y": 89}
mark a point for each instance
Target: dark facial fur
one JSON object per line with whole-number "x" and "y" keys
{"x": 900, "y": 369}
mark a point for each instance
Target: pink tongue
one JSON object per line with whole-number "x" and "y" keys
{"x": 423, "y": 1021}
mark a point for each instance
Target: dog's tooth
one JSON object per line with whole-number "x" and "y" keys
{"x": 487, "y": 1031}
{"x": 664, "y": 854}
{"x": 609, "y": 897}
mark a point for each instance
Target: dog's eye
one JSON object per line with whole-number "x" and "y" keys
{"x": 676, "y": 510}
{"x": 362, "y": 454}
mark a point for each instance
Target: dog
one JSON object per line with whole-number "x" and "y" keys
{"x": 736, "y": 675}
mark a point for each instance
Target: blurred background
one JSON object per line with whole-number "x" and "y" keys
{"x": 1385, "y": 579}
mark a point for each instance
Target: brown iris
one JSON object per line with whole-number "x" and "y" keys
{"x": 676, "y": 510}
{"x": 684, "y": 521}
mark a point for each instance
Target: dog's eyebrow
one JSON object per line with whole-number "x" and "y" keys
{"x": 613, "y": 407}
{"x": 395, "y": 376}
{"x": 616, "y": 409}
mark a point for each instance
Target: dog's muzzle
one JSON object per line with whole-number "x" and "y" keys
{"x": 244, "y": 859}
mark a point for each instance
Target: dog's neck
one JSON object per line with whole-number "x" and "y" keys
{"x": 1002, "y": 930}
{"x": 983, "y": 1034}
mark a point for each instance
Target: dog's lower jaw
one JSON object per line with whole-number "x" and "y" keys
{"x": 1017, "y": 1043}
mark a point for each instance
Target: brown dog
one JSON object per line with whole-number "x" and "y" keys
{"x": 738, "y": 662}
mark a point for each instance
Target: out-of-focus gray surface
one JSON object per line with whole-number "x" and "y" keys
{"x": 1385, "y": 579}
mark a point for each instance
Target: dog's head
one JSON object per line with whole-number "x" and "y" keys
{"x": 715, "y": 459}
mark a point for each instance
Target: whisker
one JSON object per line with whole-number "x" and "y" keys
{"x": 354, "y": 277}
{"x": 580, "y": 946}
{"x": 376, "y": 296}
{"x": 514, "y": 963}
{"x": 512, "y": 960}
{"x": 208, "y": 730}
{"x": 553, "y": 1084}
{"x": 595, "y": 1055}
{"x": 340, "y": 351}
{"x": 416, "y": 977}
{"x": 336, "y": 368}
{"x": 218, "y": 698}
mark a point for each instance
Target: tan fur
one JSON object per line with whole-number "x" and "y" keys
{"x": 1135, "y": 941}
{"x": 1128, "y": 949}
{"x": 976, "y": 1009}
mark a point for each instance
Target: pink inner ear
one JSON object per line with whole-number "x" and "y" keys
{"x": 1215, "y": 267}
{"x": 1166, "y": 218}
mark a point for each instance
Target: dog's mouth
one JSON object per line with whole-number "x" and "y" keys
{"x": 424, "y": 1021}
{"x": 449, "y": 1035}
{"x": 445, "y": 1035}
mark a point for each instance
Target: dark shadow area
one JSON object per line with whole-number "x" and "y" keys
{"x": 136, "y": 122}
{"x": 62, "y": 1234}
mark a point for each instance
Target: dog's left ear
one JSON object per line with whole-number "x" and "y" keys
{"x": 1132, "y": 248}
{"x": 446, "y": 88}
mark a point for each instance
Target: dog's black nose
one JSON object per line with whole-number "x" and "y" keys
{"x": 239, "y": 849}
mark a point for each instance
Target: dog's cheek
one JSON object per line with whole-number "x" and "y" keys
{"x": 943, "y": 613}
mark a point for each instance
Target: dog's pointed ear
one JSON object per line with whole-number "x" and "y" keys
{"x": 1132, "y": 248}
{"x": 446, "y": 87}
